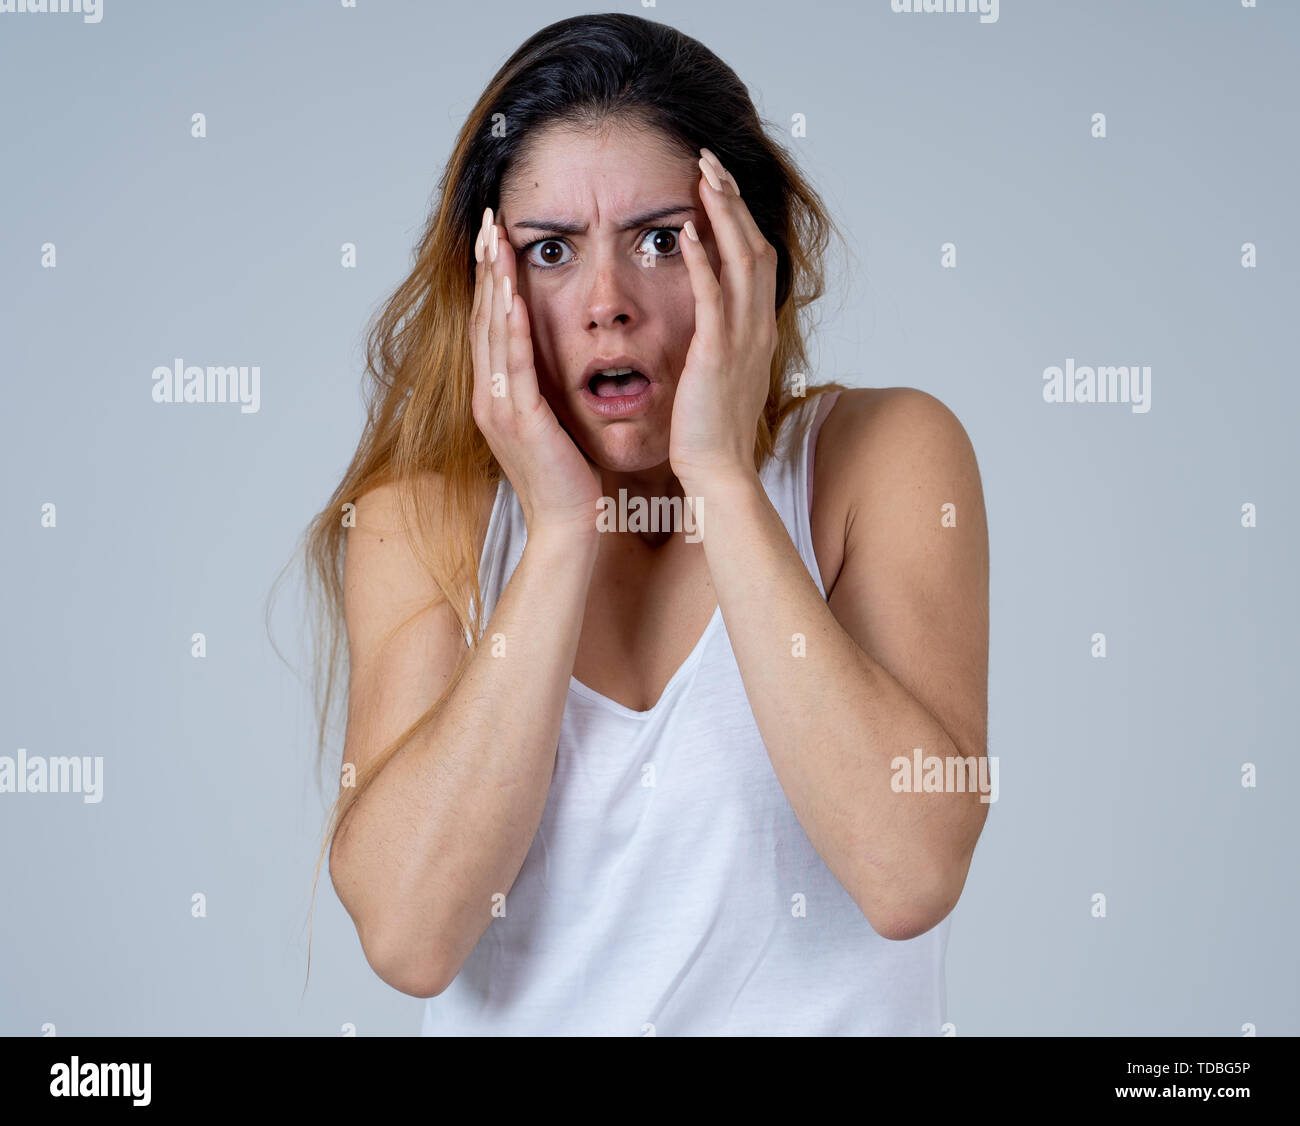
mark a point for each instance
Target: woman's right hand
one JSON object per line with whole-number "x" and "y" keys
{"x": 557, "y": 485}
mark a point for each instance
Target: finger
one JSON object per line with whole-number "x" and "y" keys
{"x": 519, "y": 341}
{"x": 500, "y": 385}
{"x": 750, "y": 229}
{"x": 479, "y": 335}
{"x": 479, "y": 255}
{"x": 765, "y": 258}
{"x": 734, "y": 250}
{"x": 704, "y": 285}
{"x": 755, "y": 264}
{"x": 743, "y": 232}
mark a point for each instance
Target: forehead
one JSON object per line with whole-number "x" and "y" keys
{"x": 566, "y": 171}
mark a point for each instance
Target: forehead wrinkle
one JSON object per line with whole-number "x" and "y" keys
{"x": 554, "y": 148}
{"x": 556, "y": 226}
{"x": 556, "y": 217}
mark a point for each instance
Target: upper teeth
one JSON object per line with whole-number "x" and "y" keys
{"x": 616, "y": 371}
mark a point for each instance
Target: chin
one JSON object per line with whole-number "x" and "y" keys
{"x": 631, "y": 445}
{"x": 619, "y": 450}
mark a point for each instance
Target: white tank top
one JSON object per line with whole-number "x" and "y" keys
{"x": 670, "y": 889}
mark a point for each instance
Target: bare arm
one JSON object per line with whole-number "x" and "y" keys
{"x": 447, "y": 822}
{"x": 897, "y": 659}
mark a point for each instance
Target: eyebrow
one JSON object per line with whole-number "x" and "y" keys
{"x": 559, "y": 227}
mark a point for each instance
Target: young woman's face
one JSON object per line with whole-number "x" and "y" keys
{"x": 602, "y": 279}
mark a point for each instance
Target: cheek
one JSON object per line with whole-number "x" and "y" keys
{"x": 547, "y": 306}
{"x": 542, "y": 319}
{"x": 549, "y": 348}
{"x": 679, "y": 315}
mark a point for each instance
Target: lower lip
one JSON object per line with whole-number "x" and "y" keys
{"x": 618, "y": 406}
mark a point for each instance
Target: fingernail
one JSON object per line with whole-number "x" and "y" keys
{"x": 691, "y": 232}
{"x": 710, "y": 175}
{"x": 722, "y": 172}
{"x": 478, "y": 248}
{"x": 510, "y": 297}
{"x": 494, "y": 242}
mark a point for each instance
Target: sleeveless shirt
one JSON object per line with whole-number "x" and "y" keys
{"x": 670, "y": 889}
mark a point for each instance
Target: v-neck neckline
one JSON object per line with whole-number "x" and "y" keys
{"x": 683, "y": 670}
{"x": 576, "y": 687}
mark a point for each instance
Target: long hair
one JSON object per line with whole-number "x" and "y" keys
{"x": 592, "y": 72}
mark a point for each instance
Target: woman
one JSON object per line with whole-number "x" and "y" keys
{"x": 603, "y": 776}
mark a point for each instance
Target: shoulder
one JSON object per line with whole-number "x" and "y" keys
{"x": 385, "y": 556}
{"x": 888, "y": 459}
{"x": 871, "y": 422}
{"x": 387, "y": 508}
{"x": 878, "y": 439}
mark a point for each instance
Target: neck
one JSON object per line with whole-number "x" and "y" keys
{"x": 653, "y": 483}
{"x": 659, "y": 481}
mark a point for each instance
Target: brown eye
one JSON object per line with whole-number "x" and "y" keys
{"x": 664, "y": 241}
{"x": 550, "y": 250}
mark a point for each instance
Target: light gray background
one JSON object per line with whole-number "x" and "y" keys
{"x": 329, "y": 125}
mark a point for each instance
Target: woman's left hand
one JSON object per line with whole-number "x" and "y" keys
{"x": 724, "y": 382}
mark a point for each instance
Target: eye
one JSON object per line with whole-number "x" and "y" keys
{"x": 665, "y": 245}
{"x": 548, "y": 245}
{"x": 668, "y": 233}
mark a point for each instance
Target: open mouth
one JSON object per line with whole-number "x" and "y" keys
{"x": 624, "y": 383}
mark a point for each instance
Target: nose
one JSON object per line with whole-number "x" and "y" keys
{"x": 611, "y": 295}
